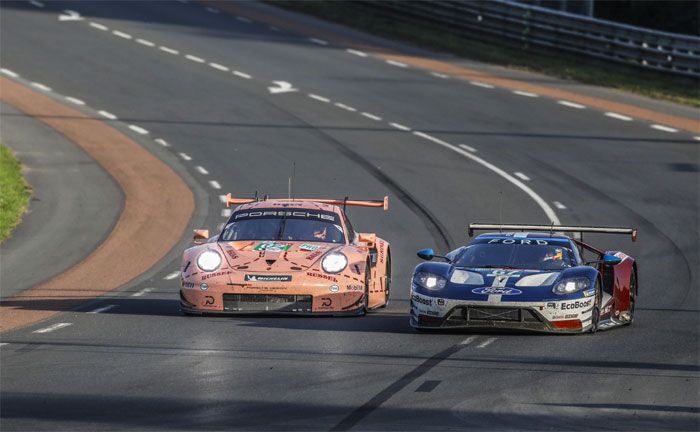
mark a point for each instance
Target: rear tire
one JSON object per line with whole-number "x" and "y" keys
{"x": 387, "y": 275}
{"x": 633, "y": 295}
{"x": 365, "y": 302}
{"x": 595, "y": 316}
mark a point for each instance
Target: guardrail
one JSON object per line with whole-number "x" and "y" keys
{"x": 526, "y": 26}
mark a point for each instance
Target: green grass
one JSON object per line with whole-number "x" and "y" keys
{"x": 648, "y": 83}
{"x": 14, "y": 192}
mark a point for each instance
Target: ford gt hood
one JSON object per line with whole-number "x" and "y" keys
{"x": 274, "y": 256}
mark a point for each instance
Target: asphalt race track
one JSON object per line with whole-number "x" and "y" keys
{"x": 446, "y": 151}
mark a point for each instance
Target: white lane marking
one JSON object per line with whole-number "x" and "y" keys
{"x": 618, "y": 116}
{"x": 319, "y": 98}
{"x": 486, "y": 343}
{"x": 185, "y": 156}
{"x": 4, "y": 343}
{"x": 194, "y": 58}
{"x": 172, "y": 275}
{"x": 345, "y": 107}
{"x": 273, "y": 28}
{"x": 480, "y": 84}
{"x": 468, "y": 148}
{"x": 664, "y": 128}
{"x": 219, "y": 67}
{"x": 201, "y": 170}
{"x": 522, "y": 176}
{"x": 107, "y": 114}
{"x": 99, "y": 26}
{"x": 145, "y": 42}
{"x": 41, "y": 86}
{"x": 551, "y": 215}
{"x": 142, "y": 292}
{"x": 242, "y": 75}
{"x": 371, "y": 116}
{"x": 696, "y": 138}
{"x": 9, "y": 72}
{"x": 162, "y": 142}
{"x": 74, "y": 100}
{"x": 102, "y": 309}
{"x": 138, "y": 129}
{"x": 439, "y": 75}
{"x": 211, "y": 10}
{"x": 70, "y": 15}
{"x": 36, "y": 3}
{"x": 122, "y": 34}
{"x": 356, "y": 52}
{"x": 244, "y": 19}
{"x": 281, "y": 87}
{"x": 52, "y": 327}
{"x": 215, "y": 184}
{"x": 526, "y": 94}
{"x": 559, "y": 205}
{"x": 318, "y": 41}
{"x": 226, "y": 212}
{"x": 222, "y": 198}
{"x": 571, "y": 104}
{"x": 168, "y": 50}
{"x": 468, "y": 340}
{"x": 400, "y": 126}
{"x": 396, "y": 63}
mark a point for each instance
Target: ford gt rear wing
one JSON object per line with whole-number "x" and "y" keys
{"x": 344, "y": 202}
{"x": 551, "y": 229}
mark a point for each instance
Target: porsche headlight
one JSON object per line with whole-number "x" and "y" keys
{"x": 430, "y": 281}
{"x": 572, "y": 285}
{"x": 209, "y": 260}
{"x": 334, "y": 262}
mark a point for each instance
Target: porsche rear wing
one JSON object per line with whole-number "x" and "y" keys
{"x": 344, "y": 202}
{"x": 551, "y": 229}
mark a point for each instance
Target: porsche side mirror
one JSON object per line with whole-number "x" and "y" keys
{"x": 426, "y": 254}
{"x": 369, "y": 239}
{"x": 200, "y": 236}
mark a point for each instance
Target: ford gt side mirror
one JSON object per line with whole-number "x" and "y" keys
{"x": 426, "y": 254}
{"x": 200, "y": 236}
{"x": 611, "y": 260}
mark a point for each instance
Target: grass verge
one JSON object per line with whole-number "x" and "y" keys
{"x": 14, "y": 192}
{"x": 589, "y": 71}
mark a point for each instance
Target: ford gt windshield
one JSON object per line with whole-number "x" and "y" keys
{"x": 516, "y": 253}
{"x": 284, "y": 224}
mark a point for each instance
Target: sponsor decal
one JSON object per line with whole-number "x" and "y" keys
{"x": 497, "y": 290}
{"x": 308, "y": 247}
{"x": 326, "y": 301}
{"x": 267, "y": 278}
{"x": 313, "y": 255}
{"x": 551, "y": 305}
{"x": 188, "y": 284}
{"x": 422, "y": 300}
{"x": 322, "y": 276}
{"x": 292, "y": 214}
{"x": 216, "y": 274}
{"x": 505, "y": 273}
{"x": 519, "y": 241}
{"x": 270, "y": 246}
{"x": 208, "y": 300}
{"x": 589, "y": 292}
{"x": 231, "y": 253}
{"x": 570, "y": 316}
{"x": 576, "y": 304}
{"x": 441, "y": 302}
{"x": 356, "y": 287}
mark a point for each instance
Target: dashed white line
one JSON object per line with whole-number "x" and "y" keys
{"x": 102, "y": 309}
{"x": 318, "y": 41}
{"x": 345, "y": 107}
{"x": 559, "y": 205}
{"x": 172, "y": 275}
{"x": 107, "y": 114}
{"x": 122, "y": 34}
{"x": 194, "y": 58}
{"x": 371, "y": 116}
{"x": 215, "y": 184}
{"x": 396, "y": 63}
{"x": 138, "y": 129}
{"x": 664, "y": 128}
{"x": 185, "y": 156}
{"x": 571, "y": 104}
{"x": 168, "y": 50}
{"x": 480, "y": 84}
{"x": 522, "y": 186}
{"x": 162, "y": 142}
{"x": 468, "y": 148}
{"x": 74, "y": 100}
{"x": 242, "y": 75}
{"x": 522, "y": 176}
{"x": 36, "y": 3}
{"x": 201, "y": 170}
{"x": 526, "y": 94}
{"x": 486, "y": 343}
{"x": 219, "y": 67}
{"x": 468, "y": 340}
{"x": 4, "y": 343}
{"x": 356, "y": 52}
{"x": 439, "y": 75}
{"x": 52, "y": 327}
{"x": 142, "y": 292}
{"x": 211, "y": 10}
{"x": 9, "y": 73}
{"x": 226, "y": 212}
{"x": 223, "y": 199}
{"x": 319, "y": 98}
{"x": 400, "y": 126}
{"x": 41, "y": 86}
{"x": 618, "y": 116}
{"x": 244, "y": 19}
{"x": 145, "y": 42}
{"x": 99, "y": 26}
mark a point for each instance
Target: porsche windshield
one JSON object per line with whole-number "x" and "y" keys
{"x": 517, "y": 253}
{"x": 284, "y": 224}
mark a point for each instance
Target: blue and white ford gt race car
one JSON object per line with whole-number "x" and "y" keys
{"x": 526, "y": 277}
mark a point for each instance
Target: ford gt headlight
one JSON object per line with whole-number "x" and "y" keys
{"x": 430, "y": 281}
{"x": 209, "y": 260}
{"x": 540, "y": 279}
{"x": 466, "y": 278}
{"x": 569, "y": 286}
{"x": 334, "y": 262}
